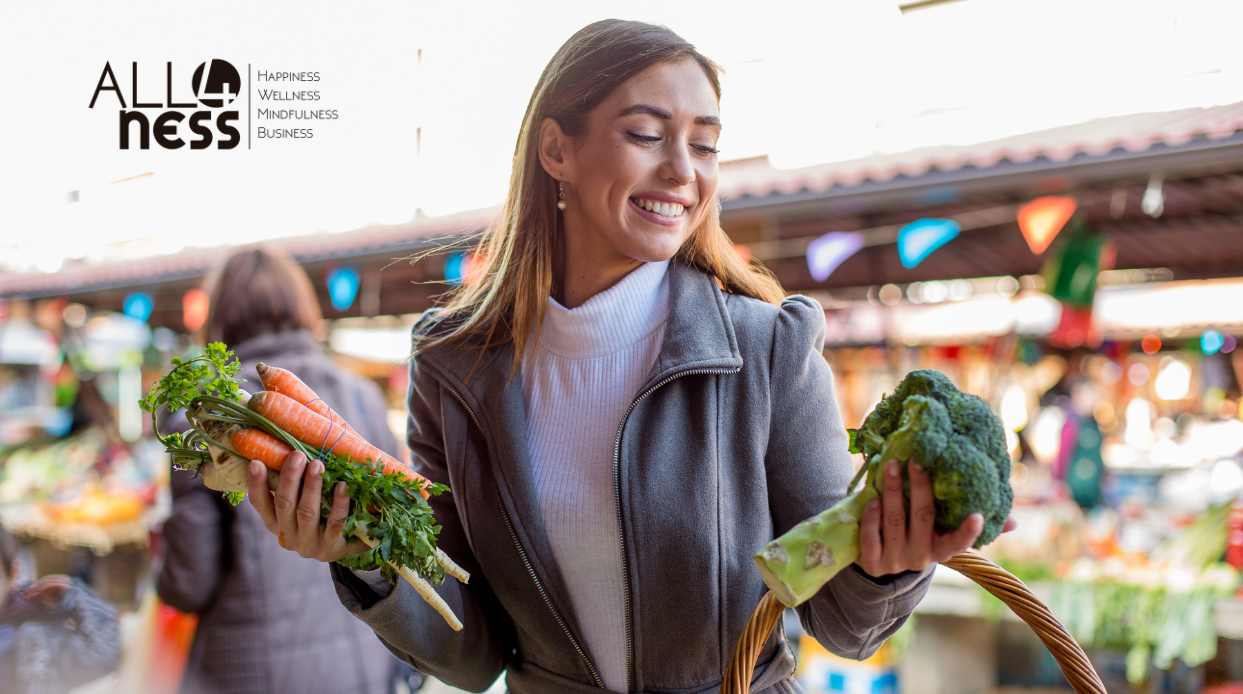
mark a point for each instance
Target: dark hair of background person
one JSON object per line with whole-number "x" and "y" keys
{"x": 90, "y": 409}
{"x": 259, "y": 290}
{"x": 8, "y": 553}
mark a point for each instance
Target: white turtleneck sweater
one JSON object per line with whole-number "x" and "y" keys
{"x": 579, "y": 376}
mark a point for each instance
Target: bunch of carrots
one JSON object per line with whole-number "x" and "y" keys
{"x": 230, "y": 427}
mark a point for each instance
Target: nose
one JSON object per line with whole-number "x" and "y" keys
{"x": 678, "y": 167}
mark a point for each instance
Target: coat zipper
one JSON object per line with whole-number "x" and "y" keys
{"x": 621, "y": 533}
{"x": 526, "y": 562}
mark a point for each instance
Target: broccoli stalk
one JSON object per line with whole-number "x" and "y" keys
{"x": 796, "y": 564}
{"x": 953, "y": 436}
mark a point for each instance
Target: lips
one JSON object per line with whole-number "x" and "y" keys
{"x": 664, "y": 208}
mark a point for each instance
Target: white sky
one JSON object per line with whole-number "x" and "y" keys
{"x": 806, "y": 82}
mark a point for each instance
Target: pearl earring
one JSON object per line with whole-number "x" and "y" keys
{"x": 561, "y": 196}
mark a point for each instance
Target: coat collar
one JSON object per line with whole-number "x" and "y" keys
{"x": 267, "y": 345}
{"x": 698, "y": 335}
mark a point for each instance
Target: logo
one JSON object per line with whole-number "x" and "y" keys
{"x": 209, "y": 120}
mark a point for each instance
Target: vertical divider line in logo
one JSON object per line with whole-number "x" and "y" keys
{"x": 250, "y": 103}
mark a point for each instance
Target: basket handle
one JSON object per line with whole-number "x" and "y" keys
{"x": 975, "y": 566}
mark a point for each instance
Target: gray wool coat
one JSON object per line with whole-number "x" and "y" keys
{"x": 734, "y": 438}
{"x": 269, "y": 621}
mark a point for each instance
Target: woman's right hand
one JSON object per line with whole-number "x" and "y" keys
{"x": 291, "y": 511}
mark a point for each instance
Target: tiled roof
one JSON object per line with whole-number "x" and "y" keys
{"x": 1102, "y": 137}
{"x": 194, "y": 262}
{"x": 752, "y": 179}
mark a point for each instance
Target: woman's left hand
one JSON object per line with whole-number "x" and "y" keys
{"x": 887, "y": 545}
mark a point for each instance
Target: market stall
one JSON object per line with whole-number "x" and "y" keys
{"x": 79, "y": 484}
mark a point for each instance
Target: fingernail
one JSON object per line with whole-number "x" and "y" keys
{"x": 256, "y": 468}
{"x": 892, "y": 469}
{"x": 339, "y": 489}
{"x": 317, "y": 469}
{"x": 873, "y": 507}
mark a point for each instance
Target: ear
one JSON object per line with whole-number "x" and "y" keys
{"x": 556, "y": 152}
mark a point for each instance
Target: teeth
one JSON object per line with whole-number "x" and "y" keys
{"x": 664, "y": 209}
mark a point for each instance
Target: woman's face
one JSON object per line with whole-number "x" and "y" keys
{"x": 644, "y": 173}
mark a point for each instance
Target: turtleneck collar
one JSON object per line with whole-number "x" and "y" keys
{"x": 616, "y": 317}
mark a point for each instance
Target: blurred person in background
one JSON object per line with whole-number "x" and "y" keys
{"x": 55, "y": 634}
{"x": 268, "y": 620}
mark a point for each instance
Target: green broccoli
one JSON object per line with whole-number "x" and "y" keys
{"x": 923, "y": 432}
{"x": 952, "y": 435}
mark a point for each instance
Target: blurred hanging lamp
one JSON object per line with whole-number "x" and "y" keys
{"x": 343, "y": 285}
{"x": 194, "y": 305}
{"x": 138, "y": 306}
{"x": 474, "y": 265}
{"x": 1153, "y": 202}
{"x": 455, "y": 266}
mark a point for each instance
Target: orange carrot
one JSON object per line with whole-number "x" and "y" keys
{"x": 319, "y": 432}
{"x": 255, "y": 444}
{"x": 286, "y": 382}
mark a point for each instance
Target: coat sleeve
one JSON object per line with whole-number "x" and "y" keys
{"x": 193, "y": 537}
{"x": 808, "y": 467}
{"x": 473, "y": 658}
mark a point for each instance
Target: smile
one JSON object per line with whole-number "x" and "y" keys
{"x": 657, "y": 211}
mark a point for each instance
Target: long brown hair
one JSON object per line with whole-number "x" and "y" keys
{"x": 517, "y": 249}
{"x": 259, "y": 290}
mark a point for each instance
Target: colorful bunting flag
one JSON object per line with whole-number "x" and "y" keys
{"x": 920, "y": 238}
{"x": 827, "y": 253}
{"x": 1041, "y": 219}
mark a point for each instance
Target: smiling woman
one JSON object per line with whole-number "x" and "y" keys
{"x": 625, "y": 411}
{"x": 621, "y": 130}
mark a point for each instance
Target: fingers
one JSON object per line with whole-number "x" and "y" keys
{"x": 869, "y": 539}
{"x": 949, "y": 544}
{"x": 259, "y": 495}
{"x": 1011, "y": 524}
{"x": 333, "y": 542}
{"x": 307, "y": 514}
{"x": 893, "y": 530}
{"x": 285, "y": 499}
{"x": 923, "y": 514}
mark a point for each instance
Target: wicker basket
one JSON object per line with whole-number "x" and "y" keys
{"x": 996, "y": 580}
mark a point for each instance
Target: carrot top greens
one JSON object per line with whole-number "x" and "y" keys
{"x": 384, "y": 506}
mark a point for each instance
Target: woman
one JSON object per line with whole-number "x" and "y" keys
{"x": 671, "y": 414}
{"x": 268, "y": 619}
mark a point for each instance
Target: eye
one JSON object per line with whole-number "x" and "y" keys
{"x": 640, "y": 137}
{"x": 707, "y": 150}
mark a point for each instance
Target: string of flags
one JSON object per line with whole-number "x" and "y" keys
{"x": 1040, "y": 221}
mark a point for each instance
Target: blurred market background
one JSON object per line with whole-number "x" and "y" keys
{"x": 1043, "y": 200}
